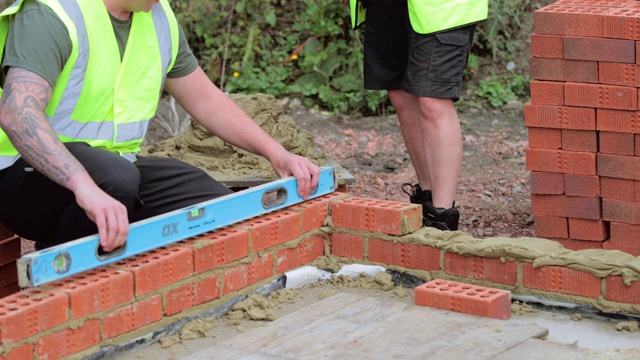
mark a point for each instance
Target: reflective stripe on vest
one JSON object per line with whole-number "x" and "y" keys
{"x": 120, "y": 128}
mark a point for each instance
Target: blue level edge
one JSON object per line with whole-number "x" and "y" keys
{"x": 38, "y": 268}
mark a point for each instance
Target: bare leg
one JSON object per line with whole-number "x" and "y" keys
{"x": 433, "y": 137}
{"x": 408, "y": 110}
{"x": 442, "y": 141}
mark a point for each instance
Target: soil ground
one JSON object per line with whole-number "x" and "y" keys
{"x": 493, "y": 190}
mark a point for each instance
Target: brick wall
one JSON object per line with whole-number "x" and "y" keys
{"x": 584, "y": 124}
{"x": 113, "y": 304}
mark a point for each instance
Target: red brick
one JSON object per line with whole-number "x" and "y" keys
{"x": 192, "y": 294}
{"x": 69, "y": 341}
{"x": 314, "y": 212}
{"x": 546, "y": 183}
{"x": 631, "y": 250}
{"x": 388, "y": 217}
{"x": 622, "y": 23}
{"x": 563, "y": 70}
{"x": 566, "y": 162}
{"x": 619, "y": 189}
{"x": 464, "y": 298}
{"x": 591, "y": 230}
{"x": 570, "y": 20}
{"x": 158, "y": 268}
{"x": 562, "y": 280}
{"x": 547, "y": 46}
{"x": 272, "y": 229}
{"x": 5, "y": 232}
{"x": 599, "y": 49}
{"x": 577, "y": 245}
{"x": 10, "y": 249}
{"x": 551, "y": 227}
{"x": 601, "y": 96}
{"x": 566, "y": 206}
{"x": 545, "y": 138}
{"x": 618, "y": 74}
{"x": 412, "y": 256}
{"x": 559, "y": 117}
{"x": 625, "y": 235}
{"x": 217, "y": 248}
{"x": 618, "y": 291}
{"x": 616, "y": 143}
{"x": 246, "y": 275}
{"x": 96, "y": 290}
{"x": 637, "y": 144}
{"x": 618, "y": 121}
{"x": 31, "y": 312}
{"x": 8, "y": 274}
{"x": 346, "y": 245}
{"x": 621, "y": 211}
{"x": 481, "y": 268}
{"x": 594, "y": 3}
{"x": 579, "y": 140}
{"x": 616, "y": 166}
{"x": 307, "y": 251}
{"x": 546, "y": 92}
{"x": 132, "y": 317}
{"x": 20, "y": 353}
{"x": 582, "y": 185}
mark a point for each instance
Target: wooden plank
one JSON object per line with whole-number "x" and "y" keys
{"x": 348, "y": 326}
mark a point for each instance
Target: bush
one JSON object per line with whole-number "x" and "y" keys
{"x": 307, "y": 49}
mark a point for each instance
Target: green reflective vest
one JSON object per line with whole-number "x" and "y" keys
{"x": 429, "y": 16}
{"x": 100, "y": 98}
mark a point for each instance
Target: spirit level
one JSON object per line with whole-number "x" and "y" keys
{"x": 83, "y": 254}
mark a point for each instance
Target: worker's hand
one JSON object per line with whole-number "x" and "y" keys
{"x": 305, "y": 172}
{"x": 108, "y": 213}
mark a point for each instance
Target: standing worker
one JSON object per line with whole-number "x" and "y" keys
{"x": 81, "y": 81}
{"x": 417, "y": 50}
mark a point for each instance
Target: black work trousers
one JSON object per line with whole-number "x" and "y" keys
{"x": 37, "y": 208}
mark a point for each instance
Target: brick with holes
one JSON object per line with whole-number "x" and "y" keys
{"x": 465, "y": 298}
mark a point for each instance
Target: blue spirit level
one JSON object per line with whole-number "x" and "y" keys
{"x": 83, "y": 254}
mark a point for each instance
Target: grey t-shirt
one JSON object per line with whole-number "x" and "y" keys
{"x": 38, "y": 41}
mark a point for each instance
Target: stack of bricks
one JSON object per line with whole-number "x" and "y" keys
{"x": 584, "y": 124}
{"x": 9, "y": 253}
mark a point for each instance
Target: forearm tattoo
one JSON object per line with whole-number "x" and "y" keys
{"x": 22, "y": 117}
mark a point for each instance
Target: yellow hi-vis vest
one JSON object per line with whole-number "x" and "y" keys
{"x": 99, "y": 98}
{"x": 429, "y": 16}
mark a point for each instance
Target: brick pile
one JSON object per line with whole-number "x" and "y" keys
{"x": 584, "y": 124}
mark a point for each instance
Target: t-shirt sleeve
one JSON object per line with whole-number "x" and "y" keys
{"x": 185, "y": 62}
{"x": 37, "y": 41}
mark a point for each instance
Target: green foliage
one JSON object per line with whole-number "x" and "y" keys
{"x": 306, "y": 48}
{"x": 299, "y": 48}
{"x": 499, "y": 90}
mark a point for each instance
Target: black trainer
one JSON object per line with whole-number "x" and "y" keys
{"x": 440, "y": 218}
{"x": 416, "y": 194}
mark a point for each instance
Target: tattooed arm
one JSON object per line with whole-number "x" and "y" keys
{"x": 22, "y": 118}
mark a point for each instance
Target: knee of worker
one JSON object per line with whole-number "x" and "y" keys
{"x": 123, "y": 185}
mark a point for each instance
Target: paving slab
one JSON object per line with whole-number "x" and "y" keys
{"x": 350, "y": 326}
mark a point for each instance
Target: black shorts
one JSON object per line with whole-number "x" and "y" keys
{"x": 396, "y": 57}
